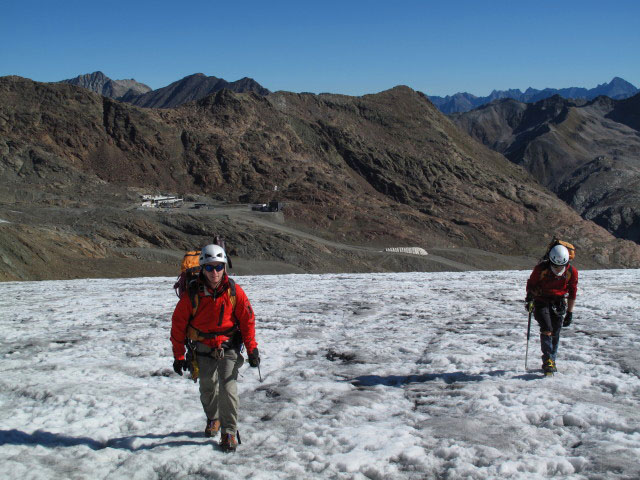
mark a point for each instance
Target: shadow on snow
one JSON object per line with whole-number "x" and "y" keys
{"x": 53, "y": 440}
{"x": 448, "y": 378}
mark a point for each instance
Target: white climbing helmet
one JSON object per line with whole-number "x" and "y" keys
{"x": 559, "y": 255}
{"x": 211, "y": 254}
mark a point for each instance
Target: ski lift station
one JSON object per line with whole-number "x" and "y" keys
{"x": 161, "y": 201}
{"x": 268, "y": 207}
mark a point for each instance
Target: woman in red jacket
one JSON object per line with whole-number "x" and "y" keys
{"x": 216, "y": 316}
{"x": 552, "y": 287}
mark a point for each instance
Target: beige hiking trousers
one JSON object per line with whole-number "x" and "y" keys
{"x": 219, "y": 386}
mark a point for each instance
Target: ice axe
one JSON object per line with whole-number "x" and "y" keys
{"x": 526, "y": 353}
{"x": 218, "y": 240}
{"x": 259, "y": 374}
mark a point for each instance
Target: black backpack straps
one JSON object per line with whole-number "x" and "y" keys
{"x": 236, "y": 339}
{"x": 192, "y": 289}
{"x": 232, "y": 290}
{"x": 233, "y": 299}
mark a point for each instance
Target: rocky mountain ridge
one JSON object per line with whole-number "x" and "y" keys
{"x": 617, "y": 88}
{"x": 98, "y": 82}
{"x": 587, "y": 153}
{"x": 356, "y": 174}
{"x": 188, "y": 89}
{"x": 192, "y": 88}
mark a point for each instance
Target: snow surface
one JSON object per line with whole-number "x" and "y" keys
{"x": 379, "y": 376}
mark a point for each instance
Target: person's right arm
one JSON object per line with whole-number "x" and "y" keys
{"x": 179, "y": 322}
{"x": 532, "y": 283}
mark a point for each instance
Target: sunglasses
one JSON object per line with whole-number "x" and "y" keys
{"x": 211, "y": 268}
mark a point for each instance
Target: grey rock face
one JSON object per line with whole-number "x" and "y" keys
{"x": 586, "y": 153}
{"x": 98, "y": 82}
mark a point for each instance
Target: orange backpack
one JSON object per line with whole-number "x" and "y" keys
{"x": 567, "y": 245}
{"x": 189, "y": 271}
{"x": 190, "y": 261}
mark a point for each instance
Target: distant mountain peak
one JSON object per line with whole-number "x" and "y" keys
{"x": 190, "y": 88}
{"x": 617, "y": 88}
{"x": 617, "y": 81}
{"x": 100, "y": 83}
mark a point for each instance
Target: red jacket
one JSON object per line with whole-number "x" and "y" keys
{"x": 543, "y": 284}
{"x": 208, "y": 319}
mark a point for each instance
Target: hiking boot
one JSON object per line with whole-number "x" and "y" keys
{"x": 213, "y": 426}
{"x": 228, "y": 442}
{"x": 549, "y": 366}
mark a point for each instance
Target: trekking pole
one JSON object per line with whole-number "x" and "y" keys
{"x": 526, "y": 354}
{"x": 259, "y": 374}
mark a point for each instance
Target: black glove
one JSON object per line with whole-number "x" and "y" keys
{"x": 527, "y": 301}
{"x": 568, "y": 318}
{"x": 254, "y": 358}
{"x": 179, "y": 366}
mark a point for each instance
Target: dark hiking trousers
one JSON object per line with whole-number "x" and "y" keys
{"x": 549, "y": 315}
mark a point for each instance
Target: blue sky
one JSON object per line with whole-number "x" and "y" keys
{"x": 348, "y": 47}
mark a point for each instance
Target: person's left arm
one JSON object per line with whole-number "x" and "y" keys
{"x": 246, "y": 320}
{"x": 573, "y": 291}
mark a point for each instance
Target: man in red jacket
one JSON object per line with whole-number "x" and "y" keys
{"x": 216, "y": 317}
{"x": 552, "y": 287}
